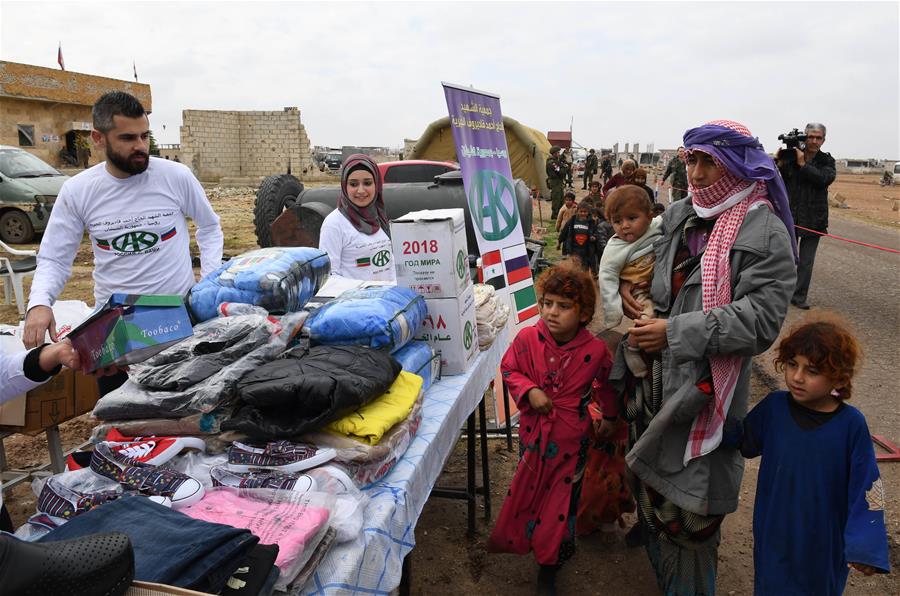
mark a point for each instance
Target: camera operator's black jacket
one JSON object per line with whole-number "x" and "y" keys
{"x": 807, "y": 189}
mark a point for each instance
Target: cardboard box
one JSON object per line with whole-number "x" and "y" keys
{"x": 63, "y": 397}
{"x": 431, "y": 252}
{"x": 130, "y": 328}
{"x": 450, "y": 330}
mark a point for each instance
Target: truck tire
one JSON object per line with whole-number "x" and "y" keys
{"x": 275, "y": 194}
{"x": 15, "y": 227}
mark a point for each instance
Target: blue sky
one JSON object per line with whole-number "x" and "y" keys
{"x": 369, "y": 74}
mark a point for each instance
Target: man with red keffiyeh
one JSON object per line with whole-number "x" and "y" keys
{"x": 725, "y": 270}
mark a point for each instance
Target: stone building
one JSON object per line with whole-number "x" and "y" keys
{"x": 45, "y": 110}
{"x": 218, "y": 144}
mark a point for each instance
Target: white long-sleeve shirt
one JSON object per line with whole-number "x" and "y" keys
{"x": 13, "y": 381}
{"x": 356, "y": 255}
{"x": 137, "y": 229}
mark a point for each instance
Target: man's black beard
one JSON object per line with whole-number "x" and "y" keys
{"x": 126, "y": 165}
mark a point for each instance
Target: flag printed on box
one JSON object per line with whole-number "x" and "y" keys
{"x": 492, "y": 269}
{"x": 518, "y": 268}
{"x": 525, "y": 303}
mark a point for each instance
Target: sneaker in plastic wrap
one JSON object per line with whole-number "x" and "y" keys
{"x": 283, "y": 456}
{"x": 222, "y": 476}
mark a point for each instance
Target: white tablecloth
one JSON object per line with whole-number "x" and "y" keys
{"x": 372, "y": 563}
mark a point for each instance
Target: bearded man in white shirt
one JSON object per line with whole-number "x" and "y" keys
{"x": 134, "y": 209}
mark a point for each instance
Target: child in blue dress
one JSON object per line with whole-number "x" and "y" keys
{"x": 819, "y": 507}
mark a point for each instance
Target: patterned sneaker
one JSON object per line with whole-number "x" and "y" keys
{"x": 301, "y": 483}
{"x": 283, "y": 456}
{"x": 60, "y": 501}
{"x": 146, "y": 478}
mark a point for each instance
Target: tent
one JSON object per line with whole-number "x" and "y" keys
{"x": 528, "y": 150}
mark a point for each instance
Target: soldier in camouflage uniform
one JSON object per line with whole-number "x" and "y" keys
{"x": 556, "y": 177}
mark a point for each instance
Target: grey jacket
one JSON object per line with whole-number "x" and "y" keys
{"x": 762, "y": 277}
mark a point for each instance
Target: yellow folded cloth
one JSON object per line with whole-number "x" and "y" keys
{"x": 369, "y": 422}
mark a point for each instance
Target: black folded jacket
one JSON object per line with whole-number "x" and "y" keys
{"x": 306, "y": 389}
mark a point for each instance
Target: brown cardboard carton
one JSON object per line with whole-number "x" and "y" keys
{"x": 86, "y": 393}
{"x": 50, "y": 404}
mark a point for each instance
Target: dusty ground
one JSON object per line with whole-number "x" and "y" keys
{"x": 447, "y": 561}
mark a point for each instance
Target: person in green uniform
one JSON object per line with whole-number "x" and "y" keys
{"x": 678, "y": 171}
{"x": 591, "y": 165}
{"x": 556, "y": 177}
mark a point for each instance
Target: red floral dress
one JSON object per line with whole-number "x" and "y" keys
{"x": 539, "y": 511}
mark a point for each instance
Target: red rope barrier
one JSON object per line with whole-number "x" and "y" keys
{"x": 848, "y": 240}
{"x": 831, "y": 235}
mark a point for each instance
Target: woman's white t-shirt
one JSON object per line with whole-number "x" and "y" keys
{"x": 354, "y": 254}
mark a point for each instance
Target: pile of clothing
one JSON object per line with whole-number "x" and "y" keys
{"x": 490, "y": 314}
{"x": 191, "y": 387}
{"x": 254, "y": 418}
{"x": 206, "y": 522}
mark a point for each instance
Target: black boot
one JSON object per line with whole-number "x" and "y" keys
{"x": 546, "y": 584}
{"x": 96, "y": 565}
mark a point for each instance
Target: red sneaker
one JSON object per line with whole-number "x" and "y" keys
{"x": 151, "y": 450}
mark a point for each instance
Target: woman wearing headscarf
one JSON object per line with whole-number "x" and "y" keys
{"x": 725, "y": 270}
{"x": 355, "y": 235}
{"x": 625, "y": 175}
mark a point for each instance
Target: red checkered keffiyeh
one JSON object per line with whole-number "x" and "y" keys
{"x": 706, "y": 431}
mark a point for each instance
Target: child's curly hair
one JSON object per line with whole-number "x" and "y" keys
{"x": 567, "y": 278}
{"x": 826, "y": 341}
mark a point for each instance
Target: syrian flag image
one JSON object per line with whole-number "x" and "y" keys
{"x": 518, "y": 267}
{"x": 525, "y": 303}
{"x": 59, "y": 57}
{"x": 492, "y": 269}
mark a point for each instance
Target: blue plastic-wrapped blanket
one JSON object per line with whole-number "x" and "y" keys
{"x": 418, "y": 358}
{"x": 280, "y": 279}
{"x": 378, "y": 317}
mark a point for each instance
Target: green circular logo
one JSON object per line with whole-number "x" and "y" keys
{"x": 134, "y": 241}
{"x": 493, "y": 205}
{"x": 468, "y": 335}
{"x": 381, "y": 258}
{"x": 461, "y": 264}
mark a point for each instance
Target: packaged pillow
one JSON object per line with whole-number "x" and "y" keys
{"x": 378, "y": 317}
{"x": 280, "y": 279}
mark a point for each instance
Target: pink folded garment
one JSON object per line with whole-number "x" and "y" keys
{"x": 292, "y": 526}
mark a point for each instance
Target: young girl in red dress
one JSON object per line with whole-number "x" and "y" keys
{"x": 553, "y": 370}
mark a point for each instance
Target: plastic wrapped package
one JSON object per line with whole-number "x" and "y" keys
{"x": 133, "y": 401}
{"x": 419, "y": 358}
{"x": 215, "y": 344}
{"x": 366, "y": 464}
{"x": 381, "y": 316}
{"x": 197, "y": 465}
{"x": 279, "y": 279}
{"x": 350, "y": 502}
{"x": 322, "y": 550}
{"x": 296, "y": 522}
{"x": 482, "y": 293}
{"x": 207, "y": 426}
{"x": 490, "y": 314}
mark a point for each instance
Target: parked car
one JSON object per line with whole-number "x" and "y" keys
{"x": 28, "y": 189}
{"x": 334, "y": 160}
{"x": 414, "y": 170}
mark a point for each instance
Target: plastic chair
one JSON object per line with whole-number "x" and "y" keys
{"x": 12, "y": 272}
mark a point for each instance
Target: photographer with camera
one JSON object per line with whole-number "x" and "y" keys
{"x": 807, "y": 173}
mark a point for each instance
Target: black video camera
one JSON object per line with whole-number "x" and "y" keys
{"x": 794, "y": 140}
